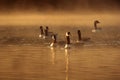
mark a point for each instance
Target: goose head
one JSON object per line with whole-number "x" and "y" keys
{"x": 47, "y": 28}
{"x": 95, "y": 23}
{"x": 68, "y": 33}
{"x": 41, "y": 27}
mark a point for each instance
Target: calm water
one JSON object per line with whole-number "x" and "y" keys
{"x": 24, "y": 56}
{"x": 40, "y": 62}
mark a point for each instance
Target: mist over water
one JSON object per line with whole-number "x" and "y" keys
{"x": 58, "y": 12}
{"x": 60, "y": 19}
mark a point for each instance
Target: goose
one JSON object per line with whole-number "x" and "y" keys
{"x": 79, "y": 36}
{"x": 54, "y": 41}
{"x": 41, "y": 32}
{"x": 47, "y": 34}
{"x": 67, "y": 45}
{"x": 96, "y": 29}
{"x": 80, "y": 39}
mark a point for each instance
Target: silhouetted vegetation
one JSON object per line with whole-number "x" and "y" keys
{"x": 44, "y": 5}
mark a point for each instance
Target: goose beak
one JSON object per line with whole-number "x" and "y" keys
{"x": 97, "y": 21}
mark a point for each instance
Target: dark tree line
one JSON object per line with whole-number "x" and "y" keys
{"x": 57, "y": 4}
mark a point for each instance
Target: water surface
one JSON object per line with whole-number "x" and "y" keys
{"x": 26, "y": 62}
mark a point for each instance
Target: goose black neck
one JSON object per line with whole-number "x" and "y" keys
{"x": 79, "y": 35}
{"x": 95, "y": 25}
{"x": 46, "y": 32}
{"x": 67, "y": 39}
{"x": 41, "y": 30}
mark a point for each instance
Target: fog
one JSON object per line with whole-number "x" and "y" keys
{"x": 59, "y": 12}
{"x": 59, "y": 19}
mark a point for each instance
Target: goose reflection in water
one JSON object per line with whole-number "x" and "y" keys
{"x": 67, "y": 54}
{"x": 53, "y": 55}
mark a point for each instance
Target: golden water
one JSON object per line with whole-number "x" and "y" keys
{"x": 33, "y": 62}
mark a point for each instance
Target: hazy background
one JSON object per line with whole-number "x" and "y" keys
{"x": 46, "y": 12}
{"x": 11, "y": 6}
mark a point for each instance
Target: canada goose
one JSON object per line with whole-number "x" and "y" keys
{"x": 67, "y": 45}
{"x": 80, "y": 39}
{"x": 79, "y": 35}
{"x": 95, "y": 26}
{"x": 41, "y": 32}
{"x": 47, "y": 34}
{"x": 54, "y": 41}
